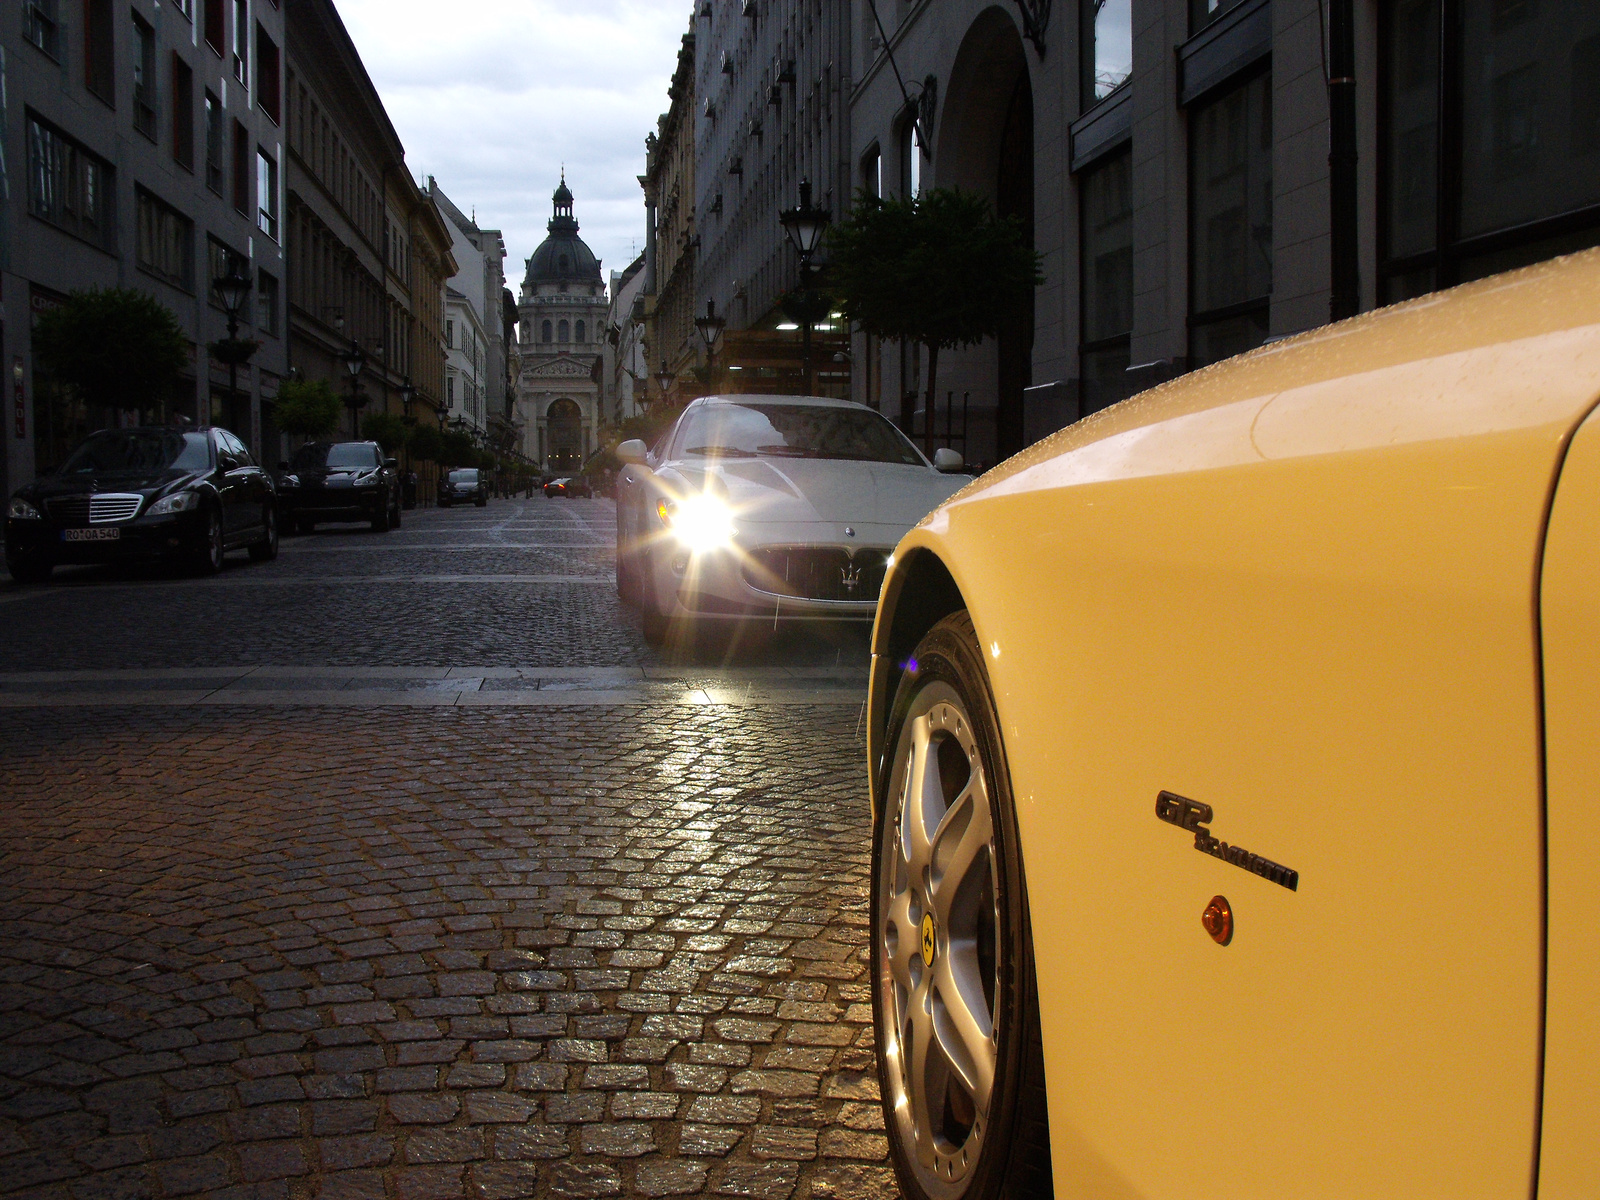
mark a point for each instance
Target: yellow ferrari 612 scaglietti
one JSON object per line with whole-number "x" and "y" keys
{"x": 1235, "y": 764}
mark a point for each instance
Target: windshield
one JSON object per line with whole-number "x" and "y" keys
{"x": 464, "y": 476}
{"x": 793, "y": 431}
{"x": 139, "y": 451}
{"x": 340, "y": 456}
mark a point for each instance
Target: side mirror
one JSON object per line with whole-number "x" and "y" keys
{"x": 283, "y": 464}
{"x": 633, "y": 451}
{"x": 946, "y": 459}
{"x": 391, "y": 463}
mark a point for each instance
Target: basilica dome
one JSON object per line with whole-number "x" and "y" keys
{"x": 562, "y": 257}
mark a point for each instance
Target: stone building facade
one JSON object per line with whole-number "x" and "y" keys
{"x": 561, "y": 317}
{"x": 671, "y": 240}
{"x": 772, "y": 85}
{"x": 479, "y": 281}
{"x": 143, "y": 148}
{"x": 369, "y": 252}
{"x": 1171, "y": 161}
{"x": 625, "y": 370}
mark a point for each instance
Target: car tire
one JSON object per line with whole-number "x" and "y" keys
{"x": 29, "y": 569}
{"x": 208, "y": 551}
{"x": 380, "y": 523}
{"x": 963, "y": 1102}
{"x": 266, "y": 549}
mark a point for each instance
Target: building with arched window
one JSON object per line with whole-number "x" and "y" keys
{"x": 563, "y": 299}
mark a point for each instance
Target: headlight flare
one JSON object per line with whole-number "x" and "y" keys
{"x": 700, "y": 522}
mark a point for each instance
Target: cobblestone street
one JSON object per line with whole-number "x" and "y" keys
{"x": 402, "y": 867}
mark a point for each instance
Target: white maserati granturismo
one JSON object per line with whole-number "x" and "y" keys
{"x": 772, "y": 507}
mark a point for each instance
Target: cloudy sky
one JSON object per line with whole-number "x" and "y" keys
{"x": 492, "y": 96}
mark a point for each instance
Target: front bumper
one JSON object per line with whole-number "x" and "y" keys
{"x": 749, "y": 581}
{"x": 328, "y": 504}
{"x": 41, "y": 541}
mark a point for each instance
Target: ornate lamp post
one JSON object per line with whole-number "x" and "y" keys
{"x": 354, "y": 359}
{"x": 710, "y": 327}
{"x": 665, "y": 379}
{"x": 408, "y": 394}
{"x": 805, "y": 226}
{"x": 234, "y": 289}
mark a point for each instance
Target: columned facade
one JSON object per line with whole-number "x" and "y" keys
{"x": 561, "y": 320}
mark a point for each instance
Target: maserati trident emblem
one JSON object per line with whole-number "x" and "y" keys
{"x": 850, "y": 577}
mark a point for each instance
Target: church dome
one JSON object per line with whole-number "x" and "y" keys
{"x": 563, "y": 257}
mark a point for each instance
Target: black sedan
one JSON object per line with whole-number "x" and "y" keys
{"x": 142, "y": 493}
{"x": 340, "y": 481}
{"x": 464, "y": 485}
{"x": 569, "y": 486}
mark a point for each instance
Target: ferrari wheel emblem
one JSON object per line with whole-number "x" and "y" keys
{"x": 928, "y": 943}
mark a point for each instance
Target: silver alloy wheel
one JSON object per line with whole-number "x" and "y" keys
{"x": 939, "y": 930}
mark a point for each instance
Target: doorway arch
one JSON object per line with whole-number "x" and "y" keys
{"x": 985, "y": 145}
{"x": 564, "y": 419}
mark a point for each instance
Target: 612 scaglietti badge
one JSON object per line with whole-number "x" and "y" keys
{"x": 1194, "y": 816}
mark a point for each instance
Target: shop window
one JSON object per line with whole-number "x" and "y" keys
{"x": 1230, "y": 234}
{"x": 1489, "y": 136}
{"x": 1106, "y": 204}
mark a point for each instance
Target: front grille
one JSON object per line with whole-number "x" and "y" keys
{"x": 95, "y": 510}
{"x": 113, "y": 506}
{"x": 817, "y": 572}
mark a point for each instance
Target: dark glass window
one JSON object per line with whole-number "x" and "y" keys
{"x": 1230, "y": 238}
{"x": 144, "y": 77}
{"x": 267, "y": 303}
{"x": 266, "y": 194}
{"x": 139, "y": 452}
{"x": 241, "y": 40}
{"x": 727, "y": 430}
{"x": 241, "y": 167}
{"x": 563, "y": 333}
{"x": 216, "y": 32}
{"x": 70, "y": 187}
{"x": 42, "y": 26}
{"x": 213, "y": 143}
{"x": 544, "y": 331}
{"x": 99, "y": 50}
{"x": 1490, "y": 137}
{"x": 577, "y": 335}
{"x": 182, "y": 113}
{"x": 1106, "y": 204}
{"x": 1107, "y": 47}
{"x": 268, "y": 85}
{"x": 166, "y": 240}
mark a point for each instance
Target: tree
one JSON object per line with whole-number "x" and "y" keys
{"x": 120, "y": 348}
{"x": 426, "y": 443}
{"x": 388, "y": 430}
{"x": 457, "y": 450}
{"x": 306, "y": 408}
{"x": 940, "y": 269}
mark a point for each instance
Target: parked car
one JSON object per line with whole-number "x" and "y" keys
{"x": 143, "y": 493}
{"x": 1232, "y": 760}
{"x": 569, "y": 486}
{"x": 464, "y": 485}
{"x": 782, "y": 507}
{"x": 340, "y": 481}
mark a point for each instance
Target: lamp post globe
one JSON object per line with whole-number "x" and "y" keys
{"x": 665, "y": 379}
{"x": 805, "y": 224}
{"x": 233, "y": 289}
{"x": 710, "y": 327}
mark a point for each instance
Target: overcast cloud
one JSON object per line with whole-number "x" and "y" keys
{"x": 492, "y": 96}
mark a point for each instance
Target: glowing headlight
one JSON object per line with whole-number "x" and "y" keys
{"x": 21, "y": 510}
{"x": 701, "y": 523}
{"x": 367, "y": 481}
{"x": 175, "y": 503}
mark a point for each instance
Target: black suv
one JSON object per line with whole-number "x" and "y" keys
{"x": 339, "y": 481}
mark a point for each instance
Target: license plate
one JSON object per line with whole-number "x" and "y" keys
{"x": 110, "y": 534}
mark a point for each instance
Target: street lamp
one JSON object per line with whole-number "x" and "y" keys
{"x": 665, "y": 379}
{"x": 407, "y": 395}
{"x": 233, "y": 289}
{"x": 354, "y": 359}
{"x": 805, "y": 226}
{"x": 710, "y": 327}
